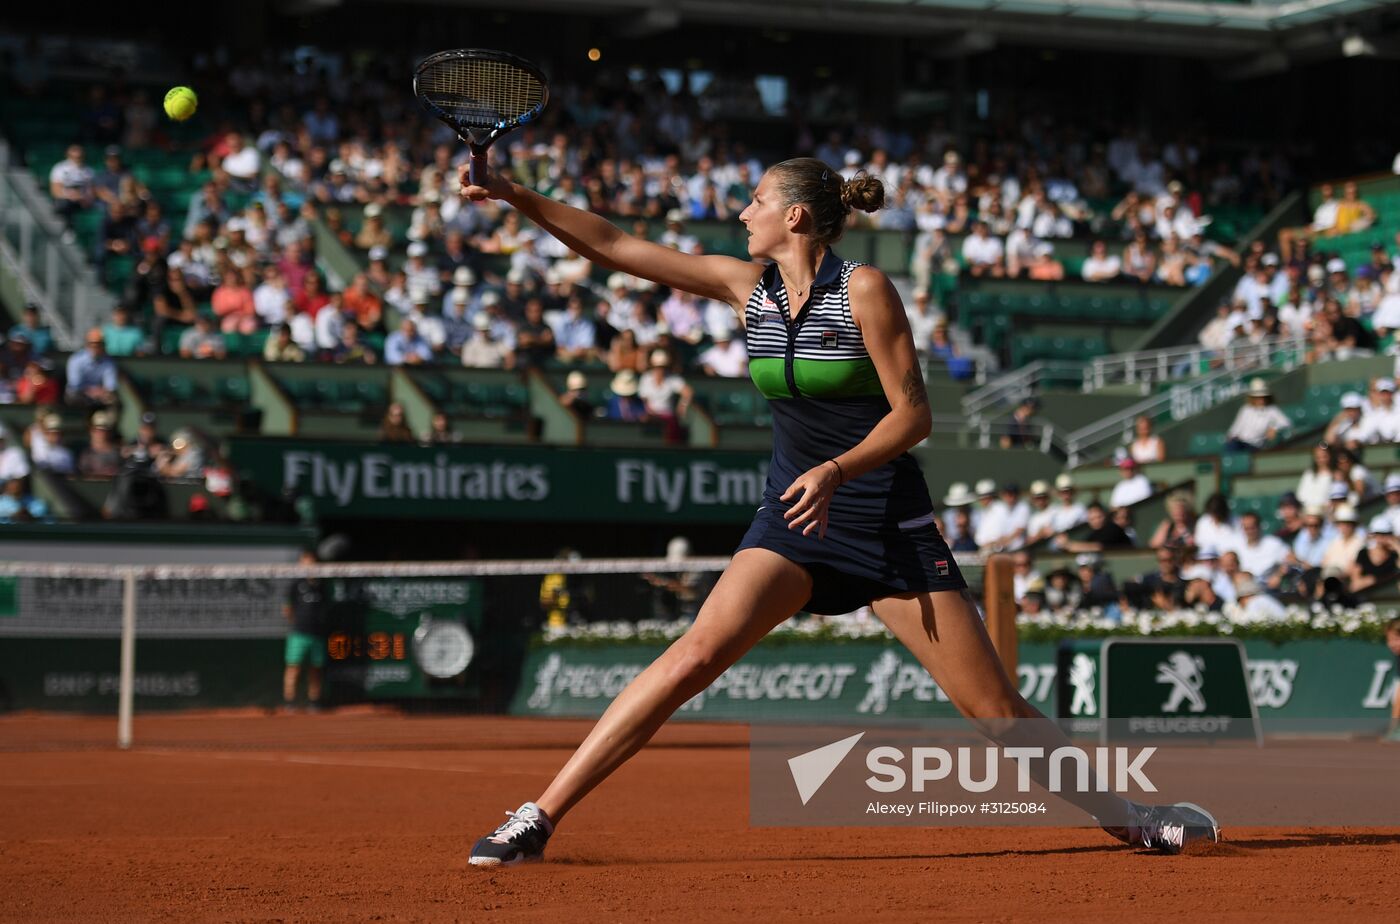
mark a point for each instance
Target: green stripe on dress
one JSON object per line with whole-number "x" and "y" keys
{"x": 817, "y": 378}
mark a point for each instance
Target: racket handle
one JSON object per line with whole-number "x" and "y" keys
{"x": 476, "y": 172}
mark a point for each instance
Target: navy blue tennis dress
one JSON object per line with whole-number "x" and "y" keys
{"x": 825, "y": 396}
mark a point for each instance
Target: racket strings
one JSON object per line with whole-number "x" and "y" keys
{"x": 479, "y": 92}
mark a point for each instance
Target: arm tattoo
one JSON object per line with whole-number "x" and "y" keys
{"x": 914, "y": 388}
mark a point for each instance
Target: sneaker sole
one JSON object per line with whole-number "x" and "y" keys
{"x": 496, "y": 861}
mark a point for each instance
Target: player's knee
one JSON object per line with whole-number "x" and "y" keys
{"x": 693, "y": 663}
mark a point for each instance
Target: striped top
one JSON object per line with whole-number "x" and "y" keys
{"x": 826, "y": 397}
{"x": 820, "y": 353}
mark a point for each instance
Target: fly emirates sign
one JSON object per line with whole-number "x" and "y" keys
{"x": 527, "y": 483}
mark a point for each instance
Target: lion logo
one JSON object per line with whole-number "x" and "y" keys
{"x": 1185, "y": 673}
{"x": 1082, "y": 675}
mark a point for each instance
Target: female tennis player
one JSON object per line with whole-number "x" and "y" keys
{"x": 846, "y": 518}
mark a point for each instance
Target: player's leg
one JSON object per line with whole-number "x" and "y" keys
{"x": 294, "y": 654}
{"x": 945, "y": 632}
{"x": 757, "y": 591}
{"x": 291, "y": 674}
{"x": 314, "y": 677}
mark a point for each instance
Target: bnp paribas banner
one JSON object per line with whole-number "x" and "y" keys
{"x": 507, "y": 482}
{"x": 857, "y": 680}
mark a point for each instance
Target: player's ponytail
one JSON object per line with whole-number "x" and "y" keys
{"x": 807, "y": 181}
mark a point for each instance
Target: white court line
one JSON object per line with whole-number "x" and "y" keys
{"x": 330, "y": 762}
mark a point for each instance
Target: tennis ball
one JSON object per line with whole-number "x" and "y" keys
{"x": 180, "y": 103}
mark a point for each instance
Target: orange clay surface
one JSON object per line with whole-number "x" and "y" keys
{"x": 368, "y": 816}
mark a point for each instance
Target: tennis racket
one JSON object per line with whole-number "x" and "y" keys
{"x": 480, "y": 94}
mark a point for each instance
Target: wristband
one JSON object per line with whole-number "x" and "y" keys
{"x": 840, "y": 475}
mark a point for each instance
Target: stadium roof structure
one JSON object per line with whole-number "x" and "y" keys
{"x": 1277, "y": 32}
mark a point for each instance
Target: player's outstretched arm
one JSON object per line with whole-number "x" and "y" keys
{"x": 599, "y": 241}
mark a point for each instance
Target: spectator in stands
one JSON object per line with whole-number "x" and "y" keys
{"x": 941, "y": 349}
{"x": 1024, "y": 575}
{"x": 122, "y": 336}
{"x": 1139, "y": 263}
{"x": 1068, "y": 513}
{"x": 373, "y": 233}
{"x": 184, "y": 460}
{"x": 1324, "y": 223}
{"x": 13, "y": 462}
{"x": 1343, "y": 430}
{"x": 1216, "y": 529}
{"x": 1354, "y": 477}
{"x": 101, "y": 457}
{"x": 38, "y": 385}
{"x": 232, "y": 302}
{"x": 1259, "y": 553}
{"x": 1315, "y": 484}
{"x": 1132, "y": 487}
{"x": 34, "y": 330}
{"x": 1290, "y": 518}
{"x": 1259, "y": 421}
{"x": 240, "y": 161}
{"x": 1177, "y": 530}
{"x": 281, "y": 348}
{"x": 271, "y": 300}
{"x": 172, "y": 303}
{"x": 574, "y": 334}
{"x": 440, "y": 432}
{"x": 17, "y": 505}
{"x": 1353, "y": 213}
{"x": 1100, "y": 265}
{"x": 405, "y": 347}
{"x": 1096, "y": 587}
{"x": 1348, "y": 543}
{"x": 1380, "y": 421}
{"x": 1162, "y": 589}
{"x": 727, "y": 358}
{"x": 990, "y": 515}
{"x": 1254, "y": 604}
{"x": 1016, "y": 519}
{"x": 146, "y": 446}
{"x": 71, "y": 184}
{"x": 534, "y": 341}
{"x": 46, "y": 450}
{"x": 423, "y": 312}
{"x": 117, "y": 237}
{"x": 92, "y": 374}
{"x": 1043, "y": 266}
{"x": 484, "y": 350}
{"x": 1103, "y": 533}
{"x": 965, "y": 529}
{"x": 1041, "y": 525}
{"x": 359, "y": 301}
{"x": 624, "y": 404}
{"x": 958, "y": 496}
{"x": 1376, "y": 562}
{"x": 201, "y": 341}
{"x": 1123, "y": 516}
{"x": 1020, "y": 428}
{"x": 351, "y": 351}
{"x": 394, "y": 427}
{"x": 1146, "y": 447}
{"x": 666, "y": 394}
{"x": 624, "y": 352}
{"x": 983, "y": 254}
{"x": 575, "y": 396}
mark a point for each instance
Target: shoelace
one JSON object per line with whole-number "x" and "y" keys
{"x": 520, "y": 823}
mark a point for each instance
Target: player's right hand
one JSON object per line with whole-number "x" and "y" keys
{"x": 495, "y": 187}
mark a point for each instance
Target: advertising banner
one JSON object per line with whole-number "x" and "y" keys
{"x": 403, "y": 481}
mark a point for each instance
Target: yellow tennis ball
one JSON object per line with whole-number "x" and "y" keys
{"x": 180, "y": 103}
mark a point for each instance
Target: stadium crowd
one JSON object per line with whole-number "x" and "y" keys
{"x": 443, "y": 282}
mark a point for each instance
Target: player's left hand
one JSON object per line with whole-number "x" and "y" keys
{"x": 813, "y": 490}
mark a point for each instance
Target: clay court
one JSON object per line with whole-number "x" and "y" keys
{"x": 368, "y": 816}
